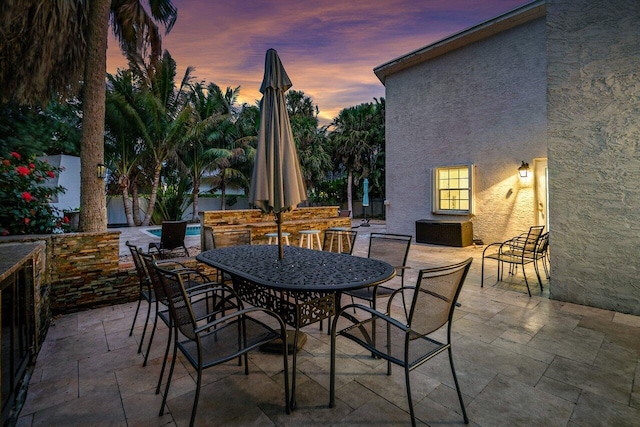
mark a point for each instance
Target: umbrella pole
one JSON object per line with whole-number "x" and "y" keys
{"x": 279, "y": 224}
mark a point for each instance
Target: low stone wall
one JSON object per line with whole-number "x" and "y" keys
{"x": 318, "y": 218}
{"x": 86, "y": 272}
{"x": 82, "y": 272}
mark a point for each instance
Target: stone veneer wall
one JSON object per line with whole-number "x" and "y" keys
{"x": 82, "y": 272}
{"x": 319, "y": 218}
{"x": 594, "y": 151}
{"x": 86, "y": 272}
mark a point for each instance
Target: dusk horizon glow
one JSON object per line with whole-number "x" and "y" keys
{"x": 329, "y": 49}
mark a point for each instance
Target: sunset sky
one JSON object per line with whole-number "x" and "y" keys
{"x": 328, "y": 47}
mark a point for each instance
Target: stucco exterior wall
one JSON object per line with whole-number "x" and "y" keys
{"x": 482, "y": 104}
{"x": 594, "y": 158}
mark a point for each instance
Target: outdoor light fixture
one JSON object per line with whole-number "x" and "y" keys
{"x": 523, "y": 170}
{"x": 101, "y": 170}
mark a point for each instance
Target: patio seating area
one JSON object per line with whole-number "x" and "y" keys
{"x": 519, "y": 360}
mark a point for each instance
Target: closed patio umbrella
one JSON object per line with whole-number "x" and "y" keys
{"x": 276, "y": 184}
{"x": 365, "y": 201}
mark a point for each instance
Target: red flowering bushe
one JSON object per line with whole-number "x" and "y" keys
{"x": 24, "y": 171}
{"x": 24, "y": 196}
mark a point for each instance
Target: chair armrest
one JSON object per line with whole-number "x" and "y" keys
{"x": 492, "y": 245}
{"x": 239, "y": 313}
{"x": 371, "y": 311}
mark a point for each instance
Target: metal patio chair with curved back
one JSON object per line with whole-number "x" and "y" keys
{"x": 541, "y": 255}
{"x": 145, "y": 292}
{"x": 221, "y": 337}
{"x": 194, "y": 281}
{"x": 517, "y": 251}
{"x": 390, "y": 248}
{"x": 222, "y": 239}
{"x": 403, "y": 337}
{"x": 171, "y": 240}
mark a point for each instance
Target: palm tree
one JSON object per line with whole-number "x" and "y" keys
{"x": 122, "y": 144}
{"x": 42, "y": 49}
{"x": 227, "y": 142}
{"x": 162, "y": 117}
{"x": 70, "y": 37}
{"x": 355, "y": 138}
{"x": 311, "y": 141}
{"x": 197, "y": 156}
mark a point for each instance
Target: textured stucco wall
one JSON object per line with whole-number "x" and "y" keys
{"x": 594, "y": 159}
{"x": 484, "y": 104}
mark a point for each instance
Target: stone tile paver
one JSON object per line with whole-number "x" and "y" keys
{"x": 520, "y": 361}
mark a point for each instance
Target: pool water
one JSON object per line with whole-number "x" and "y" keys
{"x": 192, "y": 230}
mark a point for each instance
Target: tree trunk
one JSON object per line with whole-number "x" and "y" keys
{"x": 93, "y": 202}
{"x": 126, "y": 202}
{"x": 135, "y": 202}
{"x": 127, "y": 207}
{"x": 154, "y": 194}
{"x": 196, "y": 189}
{"x": 350, "y": 191}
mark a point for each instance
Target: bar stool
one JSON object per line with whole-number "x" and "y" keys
{"x": 271, "y": 236}
{"x": 339, "y": 231}
{"x": 310, "y": 241}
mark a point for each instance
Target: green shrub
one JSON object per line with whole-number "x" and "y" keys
{"x": 24, "y": 197}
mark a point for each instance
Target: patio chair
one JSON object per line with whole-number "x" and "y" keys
{"x": 207, "y": 239}
{"x": 339, "y": 240}
{"x": 519, "y": 250}
{"x": 393, "y": 249}
{"x": 223, "y": 239}
{"x": 403, "y": 338}
{"x": 344, "y": 213}
{"x": 541, "y": 254}
{"x": 193, "y": 280}
{"x": 390, "y": 248}
{"x": 145, "y": 292}
{"x": 220, "y": 337}
{"x": 171, "y": 240}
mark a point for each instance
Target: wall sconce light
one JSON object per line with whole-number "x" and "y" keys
{"x": 101, "y": 170}
{"x": 523, "y": 170}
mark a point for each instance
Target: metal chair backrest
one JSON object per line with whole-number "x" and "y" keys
{"x": 331, "y": 238}
{"x": 533, "y": 236}
{"x": 138, "y": 263}
{"x": 436, "y": 293}
{"x": 149, "y": 260}
{"x": 390, "y": 248}
{"x": 208, "y": 241}
{"x": 179, "y": 304}
{"x": 542, "y": 246}
{"x": 173, "y": 233}
{"x": 223, "y": 239}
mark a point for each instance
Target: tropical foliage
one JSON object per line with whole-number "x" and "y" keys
{"x": 24, "y": 196}
{"x": 155, "y": 124}
{"x": 47, "y": 45}
{"x": 358, "y": 142}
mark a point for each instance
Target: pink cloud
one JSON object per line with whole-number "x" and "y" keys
{"x": 329, "y": 48}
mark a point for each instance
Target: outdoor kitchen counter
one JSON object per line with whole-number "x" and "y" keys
{"x": 14, "y": 255}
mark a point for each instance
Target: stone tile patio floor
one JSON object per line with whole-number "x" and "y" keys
{"x": 521, "y": 362}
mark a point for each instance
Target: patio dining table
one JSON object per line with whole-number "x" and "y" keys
{"x": 303, "y": 287}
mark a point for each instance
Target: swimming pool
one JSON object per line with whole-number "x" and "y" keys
{"x": 192, "y": 230}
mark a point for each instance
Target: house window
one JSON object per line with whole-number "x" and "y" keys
{"x": 453, "y": 190}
